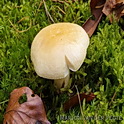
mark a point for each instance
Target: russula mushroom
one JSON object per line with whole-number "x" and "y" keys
{"x": 58, "y": 48}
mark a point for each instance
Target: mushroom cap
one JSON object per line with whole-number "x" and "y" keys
{"x": 58, "y": 48}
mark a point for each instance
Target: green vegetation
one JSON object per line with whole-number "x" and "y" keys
{"x": 101, "y": 73}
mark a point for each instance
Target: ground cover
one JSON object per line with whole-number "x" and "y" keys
{"x": 101, "y": 73}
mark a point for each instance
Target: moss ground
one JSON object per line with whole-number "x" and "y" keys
{"x": 101, "y": 73}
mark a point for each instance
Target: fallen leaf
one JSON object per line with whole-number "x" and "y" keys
{"x": 119, "y": 9}
{"x": 96, "y": 10}
{"x": 120, "y": 1}
{"x": 30, "y": 112}
{"x": 109, "y": 5}
{"x": 73, "y": 101}
{"x": 114, "y": 7}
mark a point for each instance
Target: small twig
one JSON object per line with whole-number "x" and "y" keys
{"x": 61, "y": 10}
{"x": 22, "y": 19}
{"x": 80, "y": 104}
{"x": 4, "y": 101}
{"x": 114, "y": 95}
{"x": 19, "y": 30}
{"x": 113, "y": 98}
{"x": 40, "y": 4}
{"x": 67, "y": 1}
{"x": 18, "y": 7}
{"x": 60, "y": 1}
{"x": 100, "y": 6}
{"x": 47, "y": 12}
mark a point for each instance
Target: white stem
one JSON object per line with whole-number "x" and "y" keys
{"x": 62, "y": 83}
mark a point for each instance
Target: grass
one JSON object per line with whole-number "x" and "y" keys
{"x": 101, "y": 73}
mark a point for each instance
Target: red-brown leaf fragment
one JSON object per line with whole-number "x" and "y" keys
{"x": 114, "y": 7}
{"x": 96, "y": 10}
{"x": 109, "y": 5}
{"x": 73, "y": 101}
{"x": 119, "y": 9}
{"x": 29, "y": 112}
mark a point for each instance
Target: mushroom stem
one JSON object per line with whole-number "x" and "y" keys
{"x": 62, "y": 83}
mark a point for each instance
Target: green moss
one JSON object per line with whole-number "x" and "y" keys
{"x": 102, "y": 71}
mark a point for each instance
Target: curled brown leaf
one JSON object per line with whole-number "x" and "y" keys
{"x": 114, "y": 7}
{"x": 73, "y": 101}
{"x": 96, "y": 10}
{"x": 30, "y": 112}
{"x": 108, "y": 7}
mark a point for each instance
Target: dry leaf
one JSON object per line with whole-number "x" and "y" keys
{"x": 30, "y": 112}
{"x": 119, "y": 9}
{"x": 120, "y": 1}
{"x": 115, "y": 7}
{"x": 73, "y": 101}
{"x": 96, "y": 10}
{"x": 108, "y": 7}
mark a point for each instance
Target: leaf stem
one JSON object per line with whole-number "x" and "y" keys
{"x": 4, "y": 101}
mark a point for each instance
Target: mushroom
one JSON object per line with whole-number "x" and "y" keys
{"x": 58, "y": 48}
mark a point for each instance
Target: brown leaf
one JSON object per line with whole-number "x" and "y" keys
{"x": 109, "y": 5}
{"x": 119, "y": 9}
{"x": 96, "y": 10}
{"x": 30, "y": 112}
{"x": 120, "y": 1}
{"x": 115, "y": 7}
{"x": 73, "y": 101}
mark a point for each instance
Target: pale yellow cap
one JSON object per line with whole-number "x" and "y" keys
{"x": 58, "y": 48}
